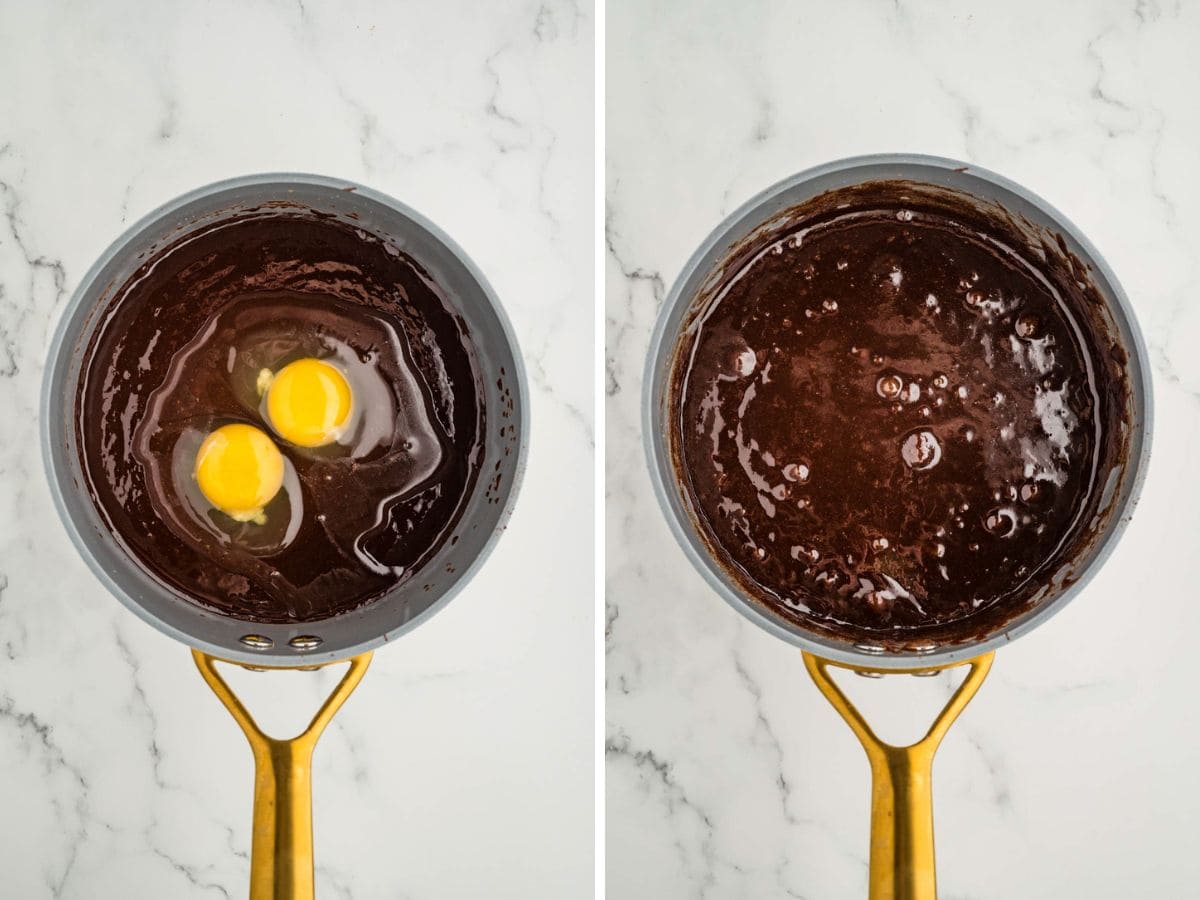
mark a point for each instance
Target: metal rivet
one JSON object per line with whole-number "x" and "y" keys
{"x": 865, "y": 674}
{"x": 874, "y": 649}
{"x": 926, "y": 673}
{"x": 305, "y": 642}
{"x": 257, "y": 641}
{"x": 925, "y": 648}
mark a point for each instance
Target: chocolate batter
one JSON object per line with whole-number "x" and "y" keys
{"x": 177, "y": 355}
{"x": 892, "y": 417}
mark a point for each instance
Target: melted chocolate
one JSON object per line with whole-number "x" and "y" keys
{"x": 177, "y": 354}
{"x": 894, "y": 418}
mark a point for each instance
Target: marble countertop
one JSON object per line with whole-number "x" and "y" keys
{"x": 1073, "y": 772}
{"x": 462, "y": 767}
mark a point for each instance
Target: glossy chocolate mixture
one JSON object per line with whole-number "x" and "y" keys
{"x": 891, "y": 421}
{"x": 177, "y": 354}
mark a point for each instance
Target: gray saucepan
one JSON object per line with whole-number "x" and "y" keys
{"x": 282, "y": 848}
{"x": 902, "y": 860}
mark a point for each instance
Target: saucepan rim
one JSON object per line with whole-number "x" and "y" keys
{"x": 59, "y": 356}
{"x": 752, "y": 213}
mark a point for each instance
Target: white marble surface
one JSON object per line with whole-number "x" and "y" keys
{"x": 1074, "y": 772}
{"x": 462, "y": 768}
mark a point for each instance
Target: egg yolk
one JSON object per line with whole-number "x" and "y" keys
{"x": 308, "y": 402}
{"x": 239, "y": 469}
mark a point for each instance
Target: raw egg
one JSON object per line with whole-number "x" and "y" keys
{"x": 239, "y": 470}
{"x": 308, "y": 402}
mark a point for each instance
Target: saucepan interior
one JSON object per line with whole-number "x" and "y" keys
{"x": 1025, "y": 215}
{"x": 486, "y": 510}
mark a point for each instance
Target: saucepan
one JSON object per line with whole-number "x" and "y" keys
{"x": 282, "y": 854}
{"x": 902, "y": 846}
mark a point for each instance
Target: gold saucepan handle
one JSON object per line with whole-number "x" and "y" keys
{"x": 281, "y": 850}
{"x": 902, "y": 862}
